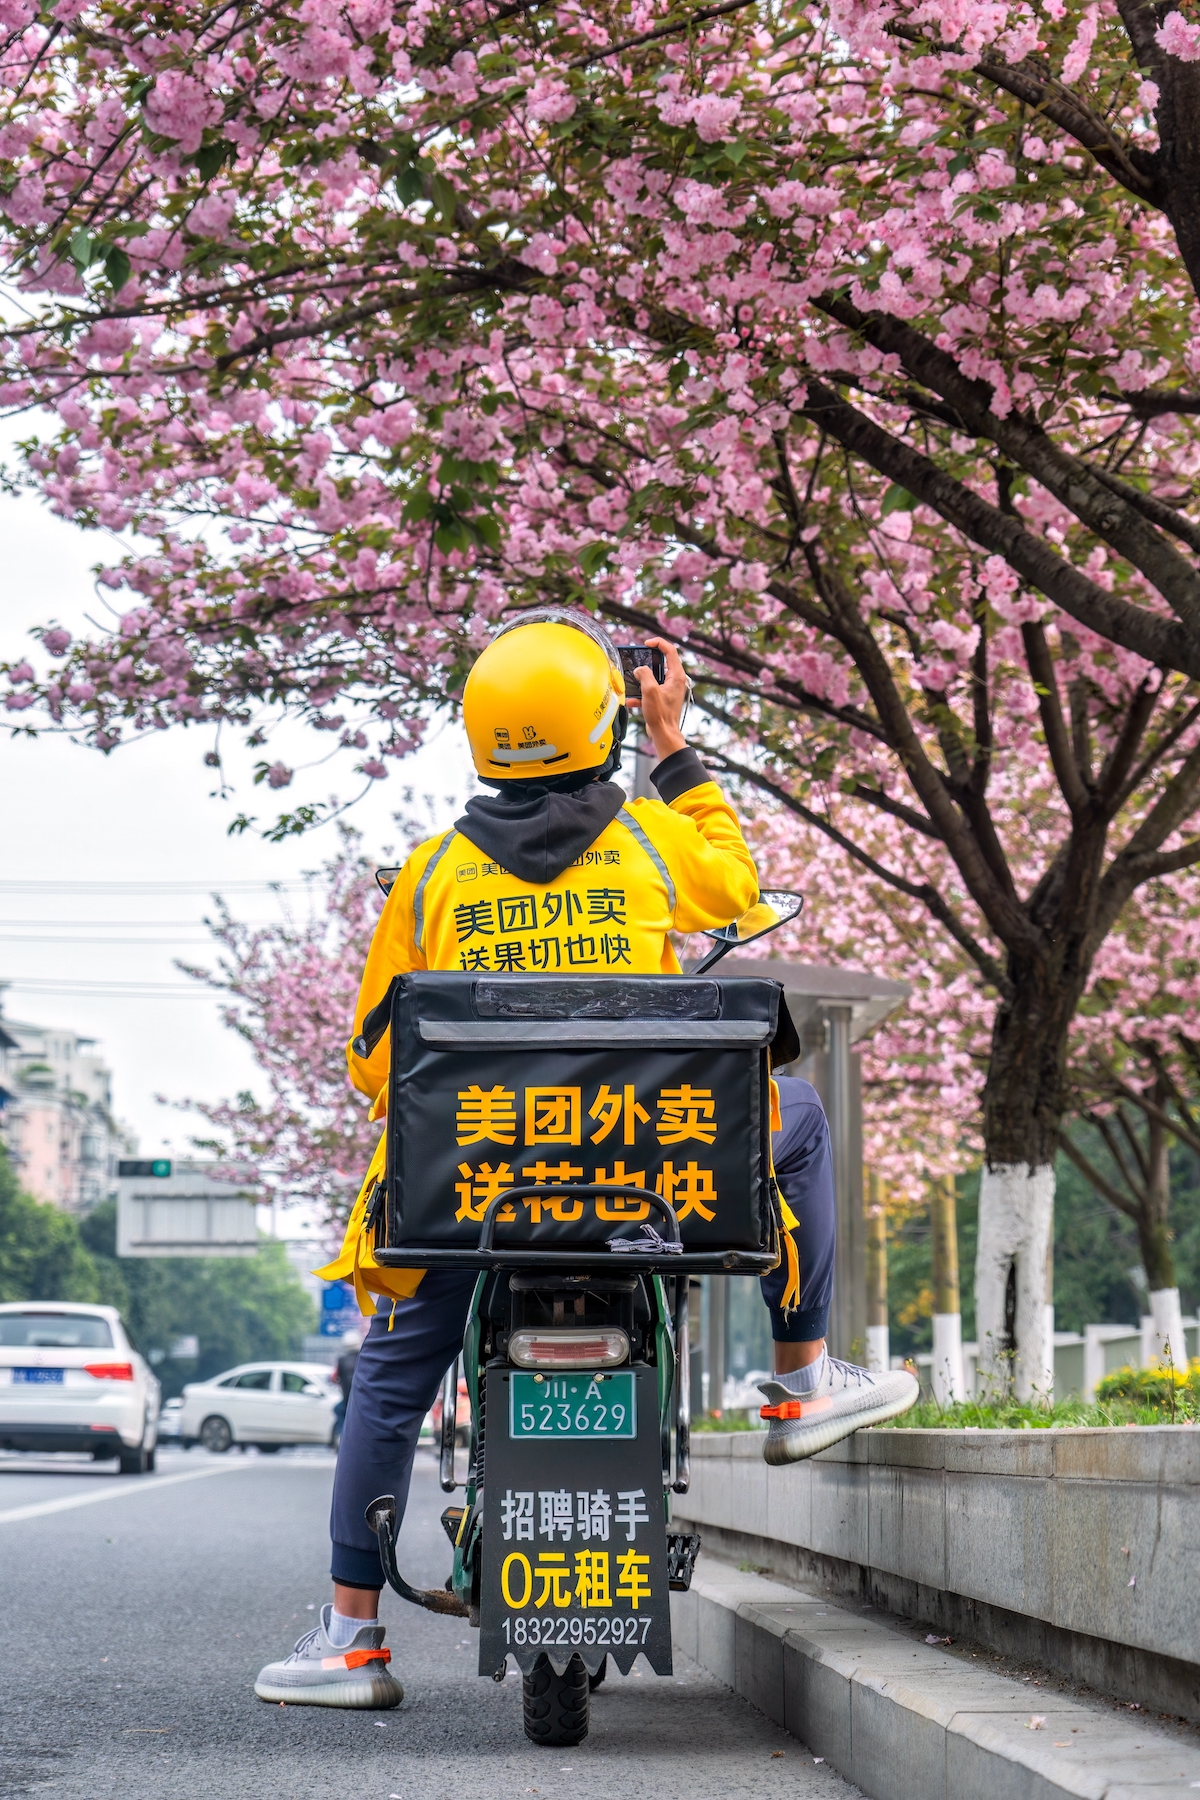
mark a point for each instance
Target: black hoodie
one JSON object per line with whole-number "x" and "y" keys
{"x": 535, "y": 831}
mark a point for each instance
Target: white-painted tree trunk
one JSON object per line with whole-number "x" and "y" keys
{"x": 879, "y": 1351}
{"x": 1016, "y": 1214}
{"x": 949, "y": 1379}
{"x": 1166, "y": 1328}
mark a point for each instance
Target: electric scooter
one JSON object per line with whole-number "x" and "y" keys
{"x": 576, "y": 1346}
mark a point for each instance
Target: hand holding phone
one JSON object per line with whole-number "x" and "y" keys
{"x": 641, "y": 656}
{"x": 661, "y": 690}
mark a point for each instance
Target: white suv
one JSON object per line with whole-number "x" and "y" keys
{"x": 70, "y": 1379}
{"x": 268, "y": 1404}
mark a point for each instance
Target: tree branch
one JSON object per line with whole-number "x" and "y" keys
{"x": 924, "y": 892}
{"x": 1045, "y": 682}
{"x": 1094, "y": 1178}
{"x": 1023, "y": 441}
{"x": 1157, "y": 511}
{"x": 508, "y": 276}
{"x": 992, "y": 890}
{"x": 648, "y": 37}
{"x": 1156, "y": 639}
{"x": 1115, "y": 766}
{"x": 1114, "y": 1150}
{"x": 1033, "y": 84}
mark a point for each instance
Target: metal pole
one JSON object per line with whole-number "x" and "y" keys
{"x": 849, "y": 1325}
{"x": 696, "y": 1346}
{"x": 949, "y": 1384}
{"x": 878, "y": 1345}
{"x": 717, "y": 1296}
{"x": 683, "y": 1389}
{"x": 642, "y": 760}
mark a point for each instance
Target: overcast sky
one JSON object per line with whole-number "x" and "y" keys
{"x": 83, "y": 954}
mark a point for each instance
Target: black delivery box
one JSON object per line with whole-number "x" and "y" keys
{"x": 581, "y": 1089}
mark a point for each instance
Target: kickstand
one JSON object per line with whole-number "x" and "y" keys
{"x": 381, "y": 1517}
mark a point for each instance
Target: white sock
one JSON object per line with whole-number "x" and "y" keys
{"x": 342, "y": 1631}
{"x": 803, "y": 1381}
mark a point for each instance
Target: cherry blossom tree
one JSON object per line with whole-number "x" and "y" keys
{"x": 853, "y": 346}
{"x": 1135, "y": 1074}
{"x": 291, "y": 990}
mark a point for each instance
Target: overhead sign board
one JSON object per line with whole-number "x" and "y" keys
{"x": 182, "y": 1209}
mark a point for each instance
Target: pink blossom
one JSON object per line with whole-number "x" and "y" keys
{"x": 1179, "y": 37}
{"x": 57, "y": 641}
{"x": 550, "y": 100}
{"x": 1076, "y": 59}
{"x": 179, "y": 107}
{"x": 26, "y": 205}
{"x": 279, "y": 775}
{"x": 211, "y": 216}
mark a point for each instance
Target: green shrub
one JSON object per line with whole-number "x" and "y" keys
{"x": 1168, "y": 1390}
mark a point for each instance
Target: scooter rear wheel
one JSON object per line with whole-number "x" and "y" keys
{"x": 556, "y": 1706}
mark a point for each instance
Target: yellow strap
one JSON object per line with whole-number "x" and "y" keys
{"x": 791, "y": 1293}
{"x": 355, "y": 1261}
{"x": 790, "y": 1224}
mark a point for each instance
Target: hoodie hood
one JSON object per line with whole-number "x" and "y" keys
{"x": 538, "y": 833}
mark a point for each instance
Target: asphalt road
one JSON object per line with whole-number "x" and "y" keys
{"x": 132, "y": 1627}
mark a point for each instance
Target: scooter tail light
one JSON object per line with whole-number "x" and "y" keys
{"x": 109, "y": 1371}
{"x": 569, "y": 1349}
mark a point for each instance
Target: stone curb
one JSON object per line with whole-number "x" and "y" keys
{"x": 905, "y": 1721}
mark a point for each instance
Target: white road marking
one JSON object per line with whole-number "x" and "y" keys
{"x": 139, "y": 1485}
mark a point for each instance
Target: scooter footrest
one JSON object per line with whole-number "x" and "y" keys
{"x": 452, "y": 1520}
{"x": 683, "y": 1547}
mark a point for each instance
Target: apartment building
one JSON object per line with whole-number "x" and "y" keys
{"x": 56, "y": 1117}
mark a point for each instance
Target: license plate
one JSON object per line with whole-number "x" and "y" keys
{"x": 573, "y": 1406}
{"x": 37, "y": 1376}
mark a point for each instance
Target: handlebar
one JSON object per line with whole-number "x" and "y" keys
{"x": 585, "y": 1191}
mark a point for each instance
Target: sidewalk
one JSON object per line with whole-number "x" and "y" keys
{"x": 908, "y": 1721}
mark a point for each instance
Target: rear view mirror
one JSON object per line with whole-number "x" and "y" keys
{"x": 773, "y": 908}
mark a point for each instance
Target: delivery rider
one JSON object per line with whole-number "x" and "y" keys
{"x": 555, "y": 872}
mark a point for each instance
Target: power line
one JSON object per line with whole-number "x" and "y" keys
{"x": 117, "y": 990}
{"x": 151, "y": 887}
{"x": 123, "y": 924}
{"x": 78, "y": 938}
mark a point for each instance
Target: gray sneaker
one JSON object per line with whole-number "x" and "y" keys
{"x": 318, "y": 1673}
{"x": 844, "y": 1399}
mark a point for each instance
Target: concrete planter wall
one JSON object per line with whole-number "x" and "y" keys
{"x": 1076, "y": 1548}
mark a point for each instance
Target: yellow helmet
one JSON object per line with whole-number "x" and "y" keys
{"x": 547, "y": 697}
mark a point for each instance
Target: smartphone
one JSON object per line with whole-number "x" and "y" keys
{"x": 640, "y": 656}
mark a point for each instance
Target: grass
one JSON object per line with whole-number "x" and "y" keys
{"x": 1012, "y": 1415}
{"x": 1158, "y": 1396}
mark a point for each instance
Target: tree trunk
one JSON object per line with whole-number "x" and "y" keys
{"x": 878, "y": 1341}
{"x": 1023, "y": 1106}
{"x": 1154, "y": 1237}
{"x": 949, "y": 1383}
{"x": 1016, "y": 1213}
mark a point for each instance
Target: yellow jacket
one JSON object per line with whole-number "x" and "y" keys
{"x": 657, "y": 868}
